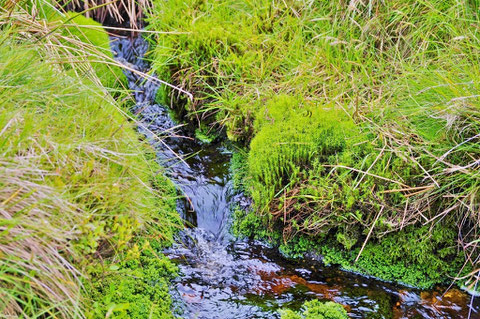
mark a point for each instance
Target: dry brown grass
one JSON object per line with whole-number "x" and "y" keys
{"x": 114, "y": 13}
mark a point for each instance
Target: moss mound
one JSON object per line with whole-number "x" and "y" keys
{"x": 317, "y": 310}
{"x": 137, "y": 287}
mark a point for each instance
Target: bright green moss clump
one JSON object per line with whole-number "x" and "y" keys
{"x": 292, "y": 139}
{"x": 317, "y": 310}
{"x": 136, "y": 287}
{"x": 316, "y": 178}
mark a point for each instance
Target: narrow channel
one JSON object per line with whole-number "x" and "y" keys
{"x": 224, "y": 277}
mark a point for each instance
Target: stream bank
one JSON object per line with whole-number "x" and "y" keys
{"x": 223, "y": 277}
{"x": 361, "y": 121}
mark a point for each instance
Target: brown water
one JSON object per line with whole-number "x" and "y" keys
{"x": 223, "y": 277}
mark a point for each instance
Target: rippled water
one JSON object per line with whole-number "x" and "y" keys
{"x": 222, "y": 277}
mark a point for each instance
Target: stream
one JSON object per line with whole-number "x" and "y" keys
{"x": 224, "y": 277}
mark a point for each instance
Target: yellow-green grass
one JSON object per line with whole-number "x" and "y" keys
{"x": 80, "y": 193}
{"x": 84, "y": 40}
{"x": 361, "y": 119}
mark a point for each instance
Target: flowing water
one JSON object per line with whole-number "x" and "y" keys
{"x": 222, "y": 277}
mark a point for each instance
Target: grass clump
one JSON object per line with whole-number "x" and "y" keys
{"x": 315, "y": 309}
{"x": 236, "y": 53}
{"x": 84, "y": 41}
{"x": 90, "y": 32}
{"x": 76, "y": 184}
{"x": 360, "y": 120}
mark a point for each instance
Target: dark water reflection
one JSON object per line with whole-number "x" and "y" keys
{"x": 226, "y": 278}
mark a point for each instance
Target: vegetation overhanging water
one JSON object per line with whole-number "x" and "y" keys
{"x": 224, "y": 277}
{"x": 359, "y": 124}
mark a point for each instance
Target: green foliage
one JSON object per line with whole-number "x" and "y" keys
{"x": 432, "y": 255}
{"x": 290, "y": 175}
{"x": 91, "y": 33}
{"x": 84, "y": 40}
{"x": 416, "y": 257}
{"x": 298, "y": 246}
{"x": 305, "y": 165}
{"x": 136, "y": 287}
{"x": 238, "y": 170}
{"x": 231, "y": 54}
{"x": 81, "y": 184}
{"x": 359, "y": 116}
{"x": 252, "y": 225}
{"x": 315, "y": 309}
{"x": 205, "y": 136}
{"x": 284, "y": 149}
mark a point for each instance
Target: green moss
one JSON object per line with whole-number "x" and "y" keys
{"x": 305, "y": 166}
{"x": 205, "y": 136}
{"x": 252, "y": 225}
{"x": 305, "y": 204}
{"x": 238, "y": 170}
{"x": 315, "y": 309}
{"x": 136, "y": 287}
{"x": 290, "y": 138}
{"x": 417, "y": 257}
